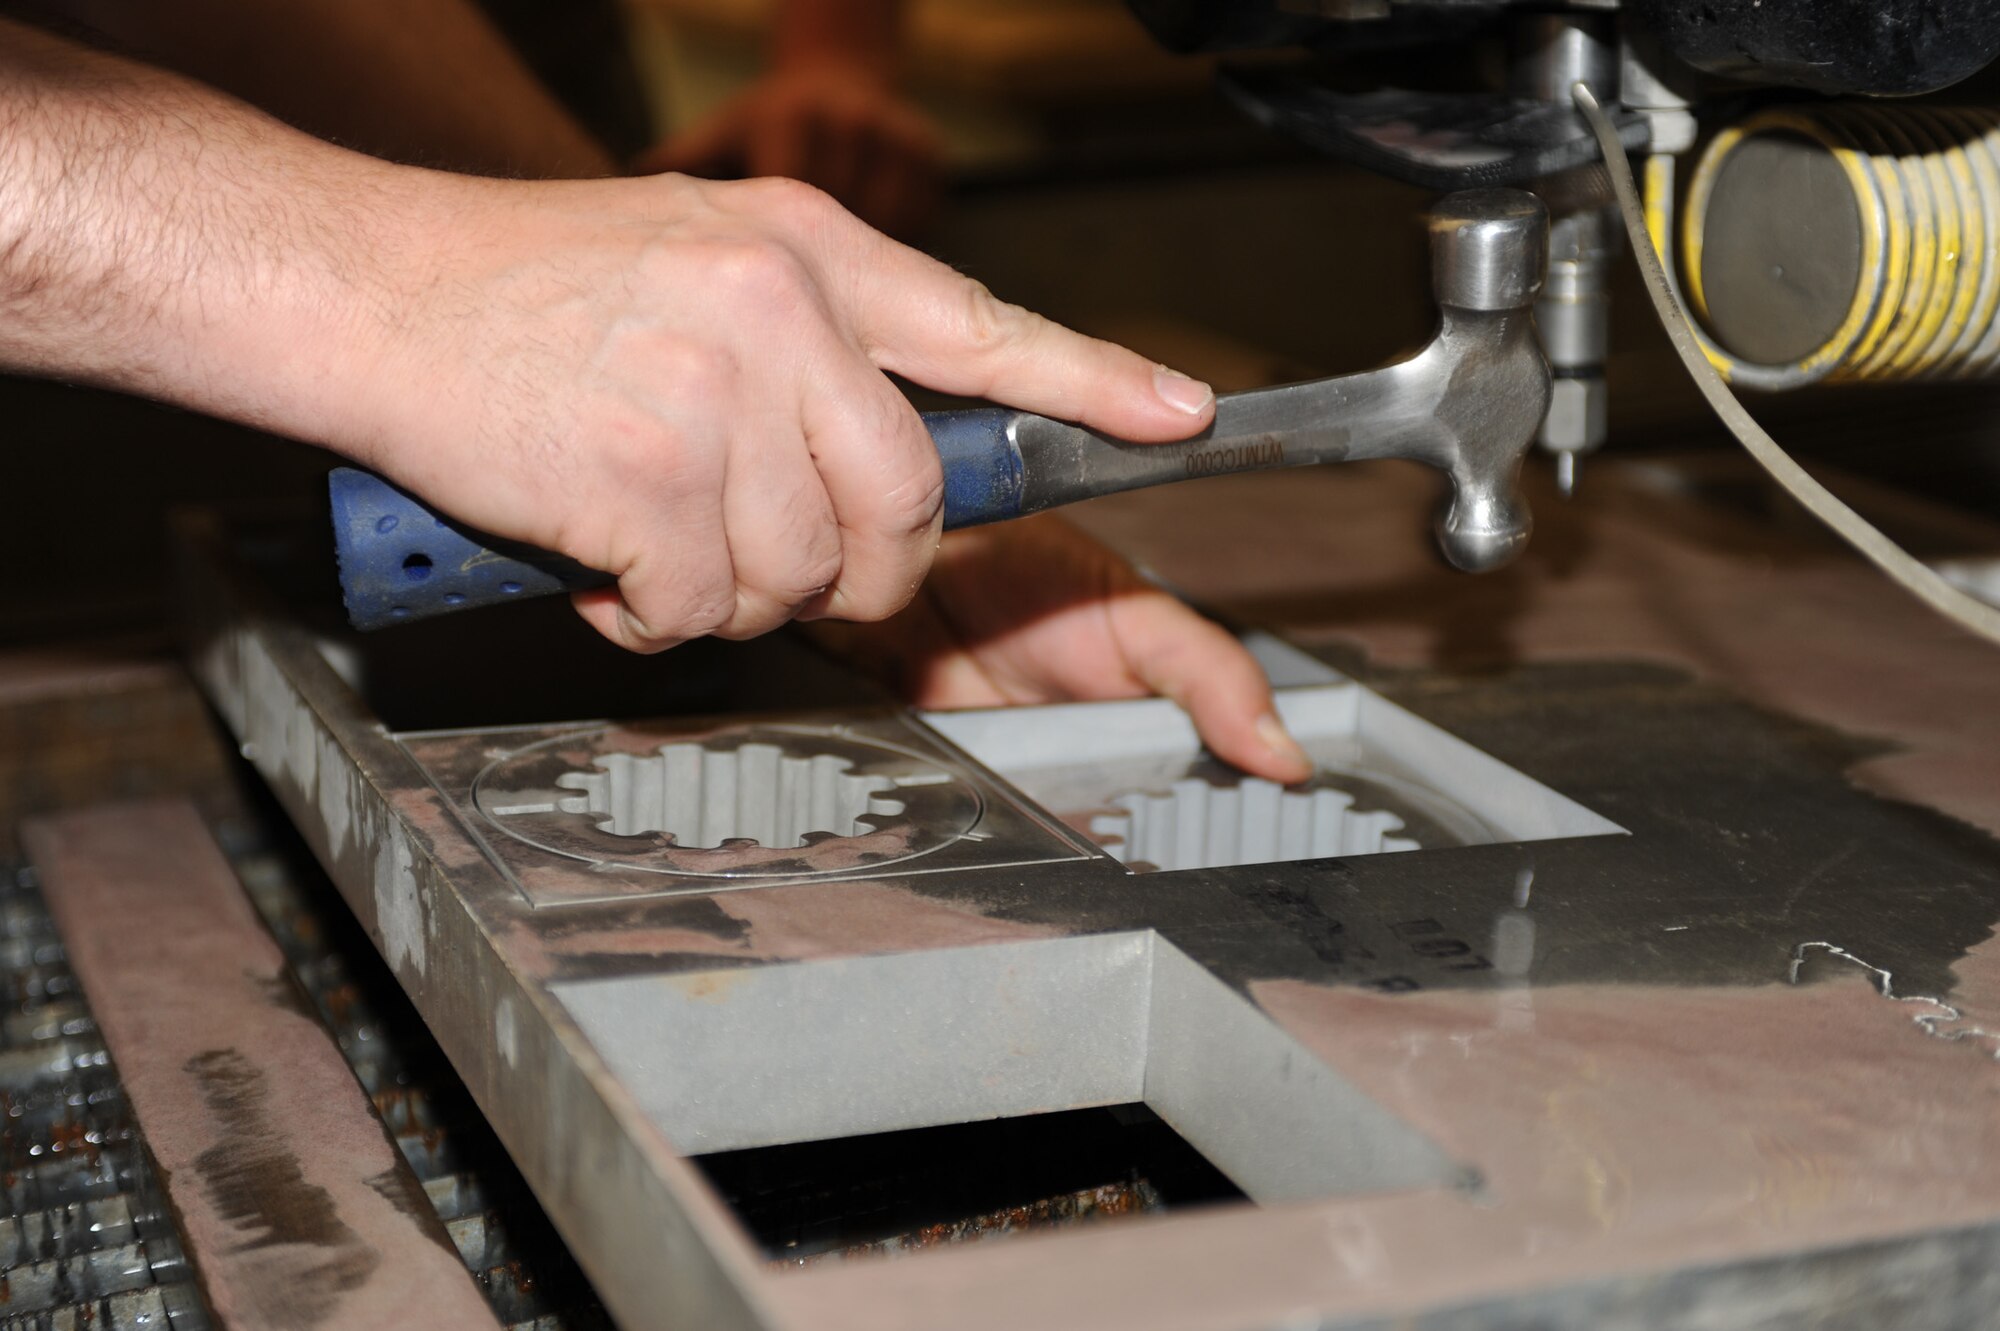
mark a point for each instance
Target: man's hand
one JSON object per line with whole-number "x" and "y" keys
{"x": 835, "y": 123}
{"x": 1035, "y": 611}
{"x": 678, "y": 382}
{"x": 682, "y": 383}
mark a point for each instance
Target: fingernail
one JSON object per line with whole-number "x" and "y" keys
{"x": 1279, "y": 741}
{"x": 1177, "y": 390}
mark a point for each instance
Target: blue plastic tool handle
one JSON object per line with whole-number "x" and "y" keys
{"x": 401, "y": 562}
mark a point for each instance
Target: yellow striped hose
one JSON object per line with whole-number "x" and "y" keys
{"x": 1914, "y": 576}
{"x": 1926, "y": 185}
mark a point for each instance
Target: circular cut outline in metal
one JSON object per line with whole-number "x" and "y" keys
{"x": 941, "y": 804}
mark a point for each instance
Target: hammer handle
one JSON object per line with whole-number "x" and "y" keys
{"x": 401, "y": 561}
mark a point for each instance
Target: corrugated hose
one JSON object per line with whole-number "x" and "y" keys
{"x": 1904, "y": 568}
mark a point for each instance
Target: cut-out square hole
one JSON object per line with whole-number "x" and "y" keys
{"x": 1133, "y": 778}
{"x": 965, "y": 1182}
{"x": 762, "y": 1056}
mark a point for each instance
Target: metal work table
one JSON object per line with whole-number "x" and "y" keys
{"x": 1737, "y": 1067}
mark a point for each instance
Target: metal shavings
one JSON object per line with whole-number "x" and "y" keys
{"x": 1110, "y": 1200}
{"x": 1931, "y": 1023}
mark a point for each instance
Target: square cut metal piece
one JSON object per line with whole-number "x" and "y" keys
{"x": 1134, "y": 779}
{"x": 622, "y": 811}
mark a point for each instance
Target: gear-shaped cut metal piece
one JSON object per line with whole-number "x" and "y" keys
{"x": 765, "y": 801}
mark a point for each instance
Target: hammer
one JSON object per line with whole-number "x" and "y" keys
{"x": 1468, "y": 403}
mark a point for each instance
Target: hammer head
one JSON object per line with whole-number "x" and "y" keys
{"x": 1489, "y": 253}
{"x": 1489, "y": 249}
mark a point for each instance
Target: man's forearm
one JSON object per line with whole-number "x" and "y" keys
{"x": 424, "y": 81}
{"x": 158, "y": 237}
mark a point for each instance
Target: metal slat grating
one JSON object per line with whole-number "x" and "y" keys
{"x": 84, "y": 1240}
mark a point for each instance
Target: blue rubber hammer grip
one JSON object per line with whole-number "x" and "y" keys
{"x": 401, "y": 562}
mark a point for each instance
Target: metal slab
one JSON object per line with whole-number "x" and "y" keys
{"x": 1664, "y": 1083}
